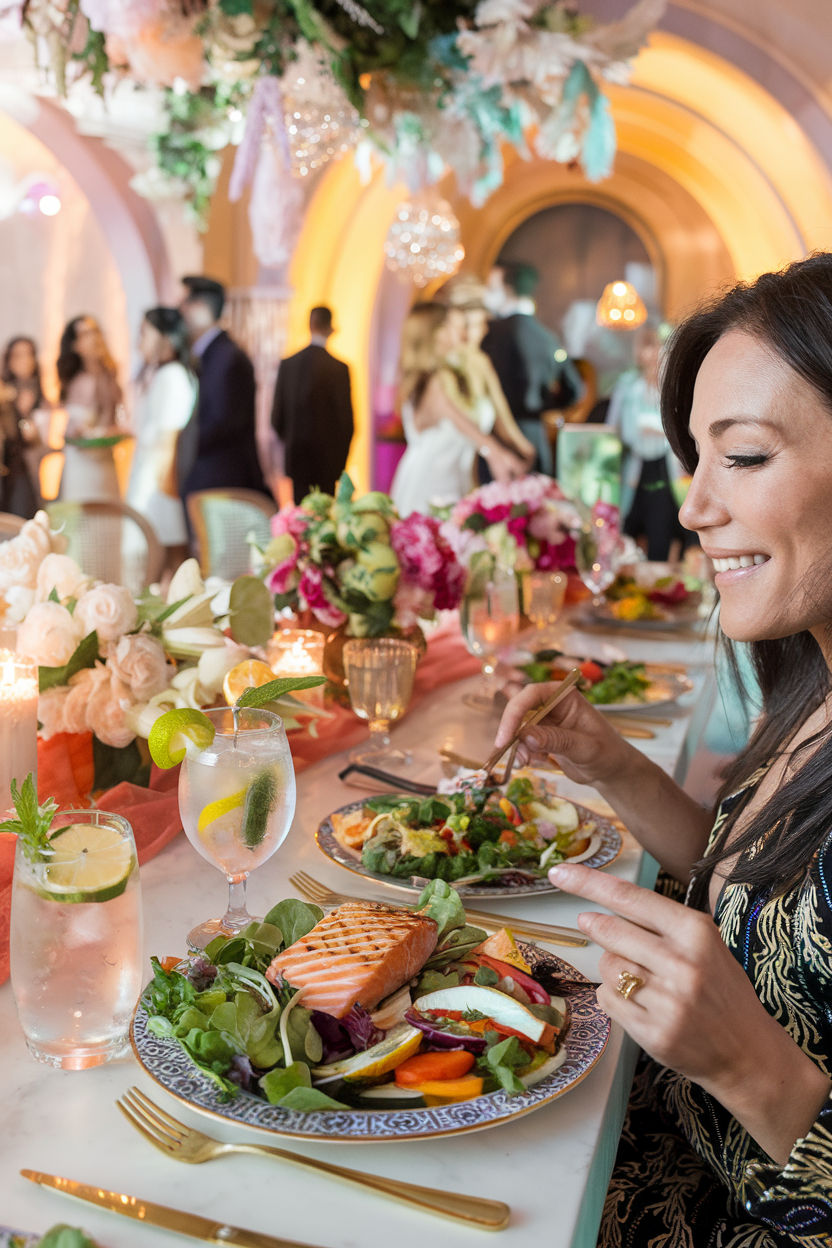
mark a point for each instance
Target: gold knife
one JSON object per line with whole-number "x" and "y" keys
{"x": 160, "y": 1215}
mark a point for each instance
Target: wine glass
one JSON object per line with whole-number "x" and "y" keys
{"x": 237, "y": 801}
{"x": 543, "y": 595}
{"x": 490, "y": 618}
{"x": 597, "y": 554}
{"x": 379, "y": 672}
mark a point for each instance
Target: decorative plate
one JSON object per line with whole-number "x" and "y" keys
{"x": 662, "y": 691}
{"x": 167, "y": 1064}
{"x": 608, "y": 850}
{"x": 684, "y": 617}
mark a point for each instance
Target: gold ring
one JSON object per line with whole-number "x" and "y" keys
{"x": 628, "y": 984}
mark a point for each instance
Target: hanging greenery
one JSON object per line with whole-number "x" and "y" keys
{"x": 428, "y": 85}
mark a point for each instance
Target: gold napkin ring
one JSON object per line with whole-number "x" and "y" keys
{"x": 628, "y": 984}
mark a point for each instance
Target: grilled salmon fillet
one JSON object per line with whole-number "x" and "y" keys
{"x": 357, "y": 954}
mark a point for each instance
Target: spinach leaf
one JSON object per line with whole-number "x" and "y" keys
{"x": 294, "y": 919}
{"x": 309, "y": 1099}
{"x": 385, "y": 803}
{"x": 167, "y": 991}
{"x": 433, "y": 809}
{"x": 277, "y": 1083}
{"x": 501, "y": 1059}
{"x": 486, "y": 977}
{"x": 63, "y": 1236}
{"x": 440, "y": 902}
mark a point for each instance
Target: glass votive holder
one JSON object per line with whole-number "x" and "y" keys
{"x": 299, "y": 652}
{"x": 18, "y": 721}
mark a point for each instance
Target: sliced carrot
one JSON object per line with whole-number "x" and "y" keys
{"x": 170, "y": 963}
{"x": 429, "y": 1067}
{"x": 508, "y": 837}
{"x": 445, "y": 1091}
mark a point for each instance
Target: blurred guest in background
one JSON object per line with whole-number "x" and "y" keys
{"x": 312, "y": 411}
{"x": 490, "y": 411}
{"x": 217, "y": 449}
{"x": 92, "y": 398}
{"x": 647, "y": 500}
{"x": 535, "y": 371}
{"x": 439, "y": 418}
{"x": 165, "y": 395}
{"x": 23, "y": 447}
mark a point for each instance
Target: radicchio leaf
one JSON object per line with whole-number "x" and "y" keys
{"x": 335, "y": 1038}
{"x": 362, "y": 1030}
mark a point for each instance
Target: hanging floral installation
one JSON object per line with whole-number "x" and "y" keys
{"x": 424, "y": 85}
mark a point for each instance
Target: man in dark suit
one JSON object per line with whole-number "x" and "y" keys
{"x": 217, "y": 449}
{"x": 312, "y": 411}
{"x": 527, "y": 357}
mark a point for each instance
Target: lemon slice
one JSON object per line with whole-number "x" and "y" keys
{"x": 172, "y": 731}
{"x": 250, "y": 674}
{"x": 400, "y": 1043}
{"x": 87, "y": 863}
{"x": 221, "y": 806}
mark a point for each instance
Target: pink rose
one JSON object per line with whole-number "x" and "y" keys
{"x": 49, "y": 634}
{"x": 82, "y": 686}
{"x": 312, "y": 597}
{"x": 292, "y": 520}
{"x": 105, "y": 712}
{"x": 61, "y": 573}
{"x": 139, "y": 661}
{"x": 51, "y": 704}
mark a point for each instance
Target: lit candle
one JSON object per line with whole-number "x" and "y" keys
{"x": 298, "y": 652}
{"x": 18, "y": 722}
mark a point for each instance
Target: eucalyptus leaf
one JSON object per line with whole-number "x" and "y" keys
{"x": 251, "y": 610}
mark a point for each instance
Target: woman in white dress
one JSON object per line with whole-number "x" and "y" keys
{"x": 444, "y": 426}
{"x": 164, "y": 400}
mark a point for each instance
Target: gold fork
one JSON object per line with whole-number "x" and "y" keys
{"x": 186, "y": 1144}
{"x": 320, "y": 895}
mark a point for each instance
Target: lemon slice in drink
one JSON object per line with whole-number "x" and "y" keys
{"x": 171, "y": 732}
{"x": 221, "y": 806}
{"x": 87, "y": 863}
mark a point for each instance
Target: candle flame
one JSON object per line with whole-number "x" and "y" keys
{"x": 8, "y": 672}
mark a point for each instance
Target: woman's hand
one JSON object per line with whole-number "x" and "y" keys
{"x": 584, "y": 743}
{"x": 504, "y": 464}
{"x": 696, "y": 1010}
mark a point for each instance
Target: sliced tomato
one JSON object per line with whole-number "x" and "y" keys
{"x": 591, "y": 672}
{"x": 509, "y": 837}
{"x": 431, "y": 1067}
{"x": 535, "y": 991}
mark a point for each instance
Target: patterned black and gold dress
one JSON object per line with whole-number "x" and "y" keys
{"x": 687, "y": 1175}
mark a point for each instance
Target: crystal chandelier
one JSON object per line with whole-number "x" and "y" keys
{"x": 423, "y": 241}
{"x": 320, "y": 121}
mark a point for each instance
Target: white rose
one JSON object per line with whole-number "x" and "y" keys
{"x": 61, "y": 573}
{"x": 139, "y": 661}
{"x": 38, "y": 533}
{"x": 51, "y": 704}
{"x": 19, "y": 599}
{"x": 19, "y": 562}
{"x": 109, "y": 610}
{"x": 106, "y": 712}
{"x": 49, "y": 634}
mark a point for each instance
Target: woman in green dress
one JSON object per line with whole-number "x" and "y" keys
{"x": 728, "y": 1139}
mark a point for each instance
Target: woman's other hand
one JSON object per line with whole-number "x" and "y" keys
{"x": 696, "y": 1010}
{"x": 584, "y": 743}
{"x": 504, "y": 464}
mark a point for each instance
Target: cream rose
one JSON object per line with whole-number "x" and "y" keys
{"x": 139, "y": 661}
{"x": 109, "y": 610}
{"x": 49, "y": 634}
{"x": 105, "y": 712}
{"x": 51, "y": 704}
{"x": 20, "y": 559}
{"x": 39, "y": 533}
{"x": 81, "y": 688}
{"x": 61, "y": 573}
{"x": 19, "y": 600}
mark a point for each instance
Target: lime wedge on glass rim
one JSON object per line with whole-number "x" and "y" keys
{"x": 174, "y": 731}
{"x": 87, "y": 863}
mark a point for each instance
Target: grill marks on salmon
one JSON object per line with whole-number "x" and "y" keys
{"x": 358, "y": 954}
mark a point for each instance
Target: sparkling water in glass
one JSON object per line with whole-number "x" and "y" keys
{"x": 237, "y": 802}
{"x": 76, "y": 940}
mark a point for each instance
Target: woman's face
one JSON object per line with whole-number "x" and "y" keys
{"x": 449, "y": 335}
{"x": 150, "y": 343}
{"x": 88, "y": 341}
{"x": 476, "y": 324}
{"x": 22, "y": 362}
{"x": 761, "y": 497}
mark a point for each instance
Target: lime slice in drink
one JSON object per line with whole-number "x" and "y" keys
{"x": 221, "y": 806}
{"x": 87, "y": 863}
{"x": 173, "y": 731}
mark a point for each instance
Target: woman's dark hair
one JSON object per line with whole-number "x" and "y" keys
{"x": 7, "y": 374}
{"x": 172, "y": 325}
{"x": 791, "y": 313}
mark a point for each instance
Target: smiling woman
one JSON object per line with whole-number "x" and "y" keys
{"x": 727, "y": 1138}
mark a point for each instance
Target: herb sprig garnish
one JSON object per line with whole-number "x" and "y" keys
{"x": 33, "y": 821}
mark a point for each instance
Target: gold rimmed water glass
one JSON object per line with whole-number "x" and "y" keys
{"x": 543, "y": 595}
{"x": 380, "y": 672}
{"x": 490, "y": 619}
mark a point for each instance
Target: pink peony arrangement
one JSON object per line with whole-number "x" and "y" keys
{"x": 522, "y": 525}
{"x": 353, "y": 561}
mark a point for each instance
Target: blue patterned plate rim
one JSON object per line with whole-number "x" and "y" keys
{"x": 167, "y": 1064}
{"x": 327, "y": 843}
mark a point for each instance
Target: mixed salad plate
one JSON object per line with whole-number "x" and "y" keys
{"x": 616, "y": 685}
{"x": 486, "y": 840}
{"x": 649, "y": 600}
{"x": 372, "y": 1022}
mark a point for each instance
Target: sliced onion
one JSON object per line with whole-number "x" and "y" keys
{"x": 445, "y": 1039}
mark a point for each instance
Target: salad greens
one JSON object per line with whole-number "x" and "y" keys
{"x": 620, "y": 681}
